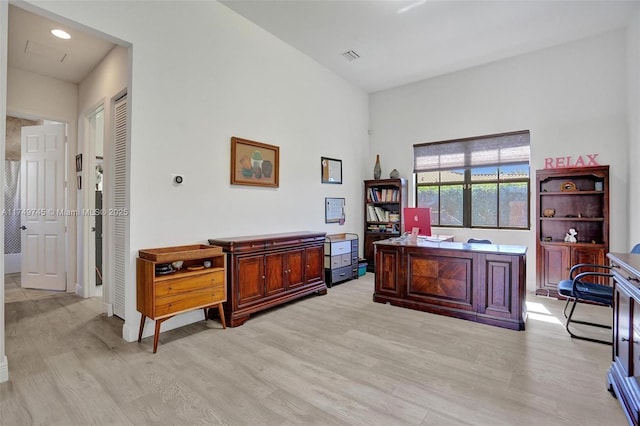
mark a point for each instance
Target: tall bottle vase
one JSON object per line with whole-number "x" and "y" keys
{"x": 377, "y": 171}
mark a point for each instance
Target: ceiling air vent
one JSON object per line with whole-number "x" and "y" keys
{"x": 350, "y": 55}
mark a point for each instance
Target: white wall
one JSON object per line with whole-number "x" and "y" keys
{"x": 212, "y": 76}
{"x": 633, "y": 55}
{"x": 572, "y": 98}
{"x": 4, "y": 14}
{"x": 107, "y": 81}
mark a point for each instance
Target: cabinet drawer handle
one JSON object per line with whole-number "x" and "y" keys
{"x": 633, "y": 279}
{"x": 624, "y": 339}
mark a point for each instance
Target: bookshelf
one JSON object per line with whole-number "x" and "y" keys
{"x": 384, "y": 200}
{"x": 568, "y": 198}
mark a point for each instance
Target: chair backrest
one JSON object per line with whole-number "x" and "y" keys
{"x": 636, "y": 249}
{"x": 473, "y": 240}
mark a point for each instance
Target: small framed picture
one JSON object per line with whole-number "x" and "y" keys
{"x": 331, "y": 170}
{"x": 79, "y": 163}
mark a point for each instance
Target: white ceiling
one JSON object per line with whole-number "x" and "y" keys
{"x": 399, "y": 41}
{"x": 33, "y": 48}
{"x": 406, "y": 41}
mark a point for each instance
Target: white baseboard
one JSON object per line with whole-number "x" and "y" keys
{"x": 4, "y": 369}
{"x": 12, "y": 263}
{"x": 130, "y": 331}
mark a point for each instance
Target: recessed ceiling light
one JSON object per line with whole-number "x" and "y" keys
{"x": 61, "y": 34}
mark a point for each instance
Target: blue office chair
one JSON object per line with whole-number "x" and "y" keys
{"x": 578, "y": 289}
{"x": 473, "y": 240}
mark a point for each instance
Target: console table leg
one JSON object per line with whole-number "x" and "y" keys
{"x": 221, "y": 312}
{"x": 141, "y": 328}
{"x": 156, "y": 335}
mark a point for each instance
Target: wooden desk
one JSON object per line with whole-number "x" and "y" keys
{"x": 478, "y": 282}
{"x": 624, "y": 374}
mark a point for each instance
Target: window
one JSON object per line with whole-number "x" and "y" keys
{"x": 480, "y": 182}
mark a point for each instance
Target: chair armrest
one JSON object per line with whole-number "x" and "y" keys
{"x": 577, "y": 266}
{"x": 579, "y": 277}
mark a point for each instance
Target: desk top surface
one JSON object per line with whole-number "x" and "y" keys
{"x": 459, "y": 246}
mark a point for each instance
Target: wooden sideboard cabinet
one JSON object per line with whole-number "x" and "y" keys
{"x": 264, "y": 271}
{"x": 340, "y": 258}
{"x": 624, "y": 374}
{"x": 194, "y": 286}
{"x": 478, "y": 282}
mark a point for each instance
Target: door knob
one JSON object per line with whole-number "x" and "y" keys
{"x": 23, "y": 227}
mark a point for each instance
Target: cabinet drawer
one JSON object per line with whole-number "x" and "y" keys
{"x": 346, "y": 259}
{"x": 184, "y": 301}
{"x": 345, "y": 273}
{"x": 189, "y": 283}
{"x": 340, "y": 247}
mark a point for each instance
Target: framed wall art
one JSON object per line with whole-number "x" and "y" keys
{"x": 334, "y": 210}
{"x": 254, "y": 163}
{"x": 331, "y": 170}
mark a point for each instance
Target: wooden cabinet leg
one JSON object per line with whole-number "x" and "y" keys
{"x": 221, "y": 312}
{"x": 156, "y": 335}
{"x": 141, "y": 328}
{"x": 205, "y": 313}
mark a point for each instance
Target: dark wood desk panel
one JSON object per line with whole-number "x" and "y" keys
{"x": 478, "y": 282}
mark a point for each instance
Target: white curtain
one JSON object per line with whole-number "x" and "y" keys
{"x": 11, "y": 206}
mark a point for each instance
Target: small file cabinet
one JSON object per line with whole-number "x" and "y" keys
{"x": 340, "y": 258}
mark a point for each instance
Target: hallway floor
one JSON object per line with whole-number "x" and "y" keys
{"x": 14, "y": 293}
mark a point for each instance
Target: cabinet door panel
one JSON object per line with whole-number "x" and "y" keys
{"x": 275, "y": 276}
{"x": 496, "y": 298}
{"x": 590, "y": 255}
{"x": 314, "y": 271}
{"x": 622, "y": 313}
{"x": 556, "y": 265}
{"x": 388, "y": 277}
{"x": 250, "y": 282}
{"x": 295, "y": 268}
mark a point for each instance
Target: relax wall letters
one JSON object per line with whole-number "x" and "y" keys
{"x": 581, "y": 161}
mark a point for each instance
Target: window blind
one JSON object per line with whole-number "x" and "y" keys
{"x": 481, "y": 151}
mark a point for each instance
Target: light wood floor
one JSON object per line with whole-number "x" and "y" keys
{"x": 326, "y": 360}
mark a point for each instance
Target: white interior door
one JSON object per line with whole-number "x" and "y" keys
{"x": 42, "y": 203}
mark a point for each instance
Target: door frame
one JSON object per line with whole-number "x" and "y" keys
{"x": 86, "y": 259}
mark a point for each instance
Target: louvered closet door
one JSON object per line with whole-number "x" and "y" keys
{"x": 120, "y": 204}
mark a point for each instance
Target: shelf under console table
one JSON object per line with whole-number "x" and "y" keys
{"x": 484, "y": 283}
{"x": 264, "y": 271}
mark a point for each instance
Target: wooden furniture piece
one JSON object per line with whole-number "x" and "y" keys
{"x": 624, "y": 374}
{"x": 193, "y": 286}
{"x": 340, "y": 258}
{"x": 264, "y": 271}
{"x": 384, "y": 200}
{"x": 478, "y": 282}
{"x": 570, "y": 198}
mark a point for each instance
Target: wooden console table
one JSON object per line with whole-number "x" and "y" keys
{"x": 478, "y": 282}
{"x": 162, "y": 295}
{"x": 264, "y": 271}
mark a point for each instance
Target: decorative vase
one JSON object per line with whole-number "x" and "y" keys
{"x": 267, "y": 168}
{"x": 395, "y": 174}
{"x": 377, "y": 171}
